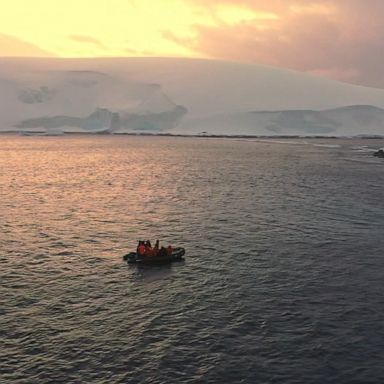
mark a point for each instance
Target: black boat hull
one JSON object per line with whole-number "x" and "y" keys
{"x": 134, "y": 258}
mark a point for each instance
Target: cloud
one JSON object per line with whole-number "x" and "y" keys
{"x": 12, "y": 46}
{"x": 138, "y": 52}
{"x": 87, "y": 40}
{"x": 183, "y": 41}
{"x": 339, "y": 39}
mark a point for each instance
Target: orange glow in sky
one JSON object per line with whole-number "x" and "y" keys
{"x": 91, "y": 28}
{"x": 322, "y": 37}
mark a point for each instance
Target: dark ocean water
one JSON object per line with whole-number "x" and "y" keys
{"x": 283, "y": 277}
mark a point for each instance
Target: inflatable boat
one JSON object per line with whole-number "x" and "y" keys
{"x": 134, "y": 258}
{"x": 379, "y": 153}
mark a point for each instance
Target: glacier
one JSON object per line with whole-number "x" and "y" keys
{"x": 180, "y": 96}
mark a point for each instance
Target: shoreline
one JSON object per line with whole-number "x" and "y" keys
{"x": 207, "y": 136}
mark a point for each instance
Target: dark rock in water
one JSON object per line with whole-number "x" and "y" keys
{"x": 379, "y": 153}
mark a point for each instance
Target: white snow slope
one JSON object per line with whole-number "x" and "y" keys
{"x": 181, "y": 96}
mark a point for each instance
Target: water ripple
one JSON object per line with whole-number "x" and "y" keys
{"x": 282, "y": 282}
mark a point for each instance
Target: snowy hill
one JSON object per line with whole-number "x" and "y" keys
{"x": 183, "y": 96}
{"x": 345, "y": 121}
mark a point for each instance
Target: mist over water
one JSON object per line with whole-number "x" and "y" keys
{"x": 283, "y": 277}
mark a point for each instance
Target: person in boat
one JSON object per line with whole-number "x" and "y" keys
{"x": 169, "y": 250}
{"x": 148, "y": 248}
{"x": 162, "y": 252}
{"x": 155, "y": 249}
{"x": 141, "y": 249}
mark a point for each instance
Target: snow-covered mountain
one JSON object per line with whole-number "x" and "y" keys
{"x": 183, "y": 96}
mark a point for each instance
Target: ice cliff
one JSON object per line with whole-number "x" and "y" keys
{"x": 183, "y": 96}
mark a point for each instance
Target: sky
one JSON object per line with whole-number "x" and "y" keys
{"x": 339, "y": 39}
